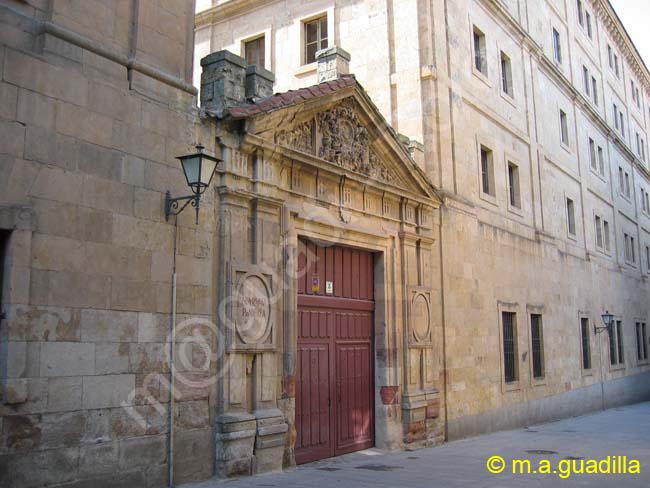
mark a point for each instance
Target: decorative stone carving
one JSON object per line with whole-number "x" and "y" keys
{"x": 420, "y": 318}
{"x": 251, "y": 311}
{"x": 300, "y": 137}
{"x": 345, "y": 142}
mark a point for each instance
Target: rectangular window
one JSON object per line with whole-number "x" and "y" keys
{"x": 585, "y": 79}
{"x": 616, "y": 353}
{"x": 601, "y": 161}
{"x": 315, "y": 32}
{"x": 613, "y": 350}
{"x": 588, "y": 24}
{"x": 509, "y": 320}
{"x": 537, "y": 340}
{"x": 630, "y": 253}
{"x": 480, "y": 54}
{"x": 610, "y": 56}
{"x": 627, "y": 185}
{"x": 647, "y": 258}
{"x": 487, "y": 171}
{"x": 586, "y": 345}
{"x": 599, "y": 232}
{"x": 592, "y": 154}
{"x": 638, "y": 144}
{"x": 254, "y": 52}
{"x": 571, "y": 217}
{"x": 581, "y": 15}
{"x": 632, "y": 90}
{"x": 564, "y": 128}
{"x": 621, "y": 183}
{"x": 4, "y": 244}
{"x": 616, "y": 116}
{"x": 618, "y": 75}
{"x": 622, "y": 124}
{"x": 643, "y": 207}
{"x": 594, "y": 90}
{"x": 641, "y": 342}
{"x": 606, "y": 234}
{"x": 506, "y": 75}
{"x": 557, "y": 46}
{"x": 619, "y": 341}
{"x": 513, "y": 185}
{"x": 632, "y": 249}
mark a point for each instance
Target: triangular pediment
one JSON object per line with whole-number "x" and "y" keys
{"x": 350, "y": 133}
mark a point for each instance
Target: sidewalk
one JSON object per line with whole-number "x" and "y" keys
{"x": 623, "y": 431}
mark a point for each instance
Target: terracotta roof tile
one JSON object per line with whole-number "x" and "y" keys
{"x": 288, "y": 98}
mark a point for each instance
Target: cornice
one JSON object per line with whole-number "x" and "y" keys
{"x": 620, "y": 35}
{"x": 230, "y": 8}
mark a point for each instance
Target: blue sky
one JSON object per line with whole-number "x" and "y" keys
{"x": 635, "y": 15}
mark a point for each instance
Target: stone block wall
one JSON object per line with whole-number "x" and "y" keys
{"x": 87, "y": 151}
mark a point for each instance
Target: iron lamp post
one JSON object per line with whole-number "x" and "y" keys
{"x": 199, "y": 169}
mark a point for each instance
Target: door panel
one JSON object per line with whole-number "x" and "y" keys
{"x": 334, "y": 371}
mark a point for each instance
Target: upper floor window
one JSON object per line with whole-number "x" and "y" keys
{"x": 594, "y": 90}
{"x": 254, "y": 51}
{"x": 599, "y": 232}
{"x": 557, "y": 46}
{"x": 506, "y": 75}
{"x": 645, "y": 201}
{"x": 480, "y": 53}
{"x": 571, "y": 217}
{"x": 606, "y": 235}
{"x": 315, "y": 37}
{"x": 581, "y": 12}
{"x": 487, "y": 171}
{"x": 564, "y": 128}
{"x": 513, "y": 185}
{"x": 588, "y": 24}
{"x": 629, "y": 251}
{"x": 601, "y": 161}
{"x": 592, "y": 154}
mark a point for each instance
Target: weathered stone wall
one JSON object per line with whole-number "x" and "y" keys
{"x": 87, "y": 148}
{"x": 419, "y": 71}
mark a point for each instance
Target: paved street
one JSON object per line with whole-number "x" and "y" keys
{"x": 621, "y": 431}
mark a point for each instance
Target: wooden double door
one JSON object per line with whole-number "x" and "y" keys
{"x": 334, "y": 370}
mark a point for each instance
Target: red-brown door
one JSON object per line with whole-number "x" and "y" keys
{"x": 334, "y": 369}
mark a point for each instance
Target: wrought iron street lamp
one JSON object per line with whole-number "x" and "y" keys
{"x": 608, "y": 319}
{"x": 199, "y": 169}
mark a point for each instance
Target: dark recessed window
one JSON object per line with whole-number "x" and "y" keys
{"x": 487, "y": 171}
{"x": 641, "y": 342}
{"x": 537, "y": 342}
{"x": 509, "y": 320}
{"x": 586, "y": 345}
{"x": 480, "y": 54}
{"x": 4, "y": 244}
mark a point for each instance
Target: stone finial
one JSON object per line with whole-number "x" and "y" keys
{"x": 223, "y": 80}
{"x": 259, "y": 83}
{"x": 332, "y": 63}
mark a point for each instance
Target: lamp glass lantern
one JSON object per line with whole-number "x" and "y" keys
{"x": 608, "y": 319}
{"x": 199, "y": 169}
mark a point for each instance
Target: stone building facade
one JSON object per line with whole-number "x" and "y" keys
{"x": 345, "y": 285}
{"x": 531, "y": 118}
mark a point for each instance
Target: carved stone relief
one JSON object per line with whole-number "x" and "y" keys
{"x": 420, "y": 318}
{"x": 341, "y": 139}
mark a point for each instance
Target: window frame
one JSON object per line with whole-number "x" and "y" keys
{"x": 641, "y": 342}
{"x": 510, "y": 308}
{"x": 507, "y": 84}
{"x": 491, "y": 195}
{"x": 557, "y": 46}
{"x": 585, "y": 340}
{"x": 250, "y": 41}
{"x": 5, "y": 236}
{"x": 304, "y": 22}
{"x": 572, "y": 231}
{"x": 536, "y": 379}
{"x": 564, "y": 130}
{"x": 514, "y": 192}
{"x": 479, "y": 53}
